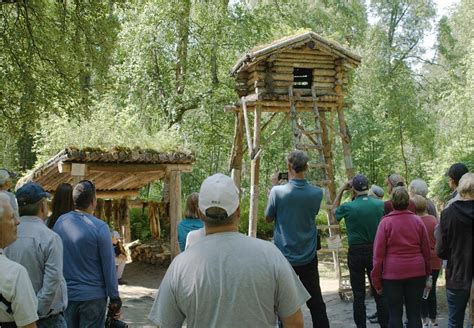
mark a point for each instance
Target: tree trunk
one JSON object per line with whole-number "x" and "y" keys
{"x": 182, "y": 46}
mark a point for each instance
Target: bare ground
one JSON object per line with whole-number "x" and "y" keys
{"x": 144, "y": 280}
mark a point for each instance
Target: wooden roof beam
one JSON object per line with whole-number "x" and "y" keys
{"x": 65, "y": 167}
{"x": 114, "y": 194}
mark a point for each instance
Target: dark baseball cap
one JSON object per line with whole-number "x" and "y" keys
{"x": 456, "y": 171}
{"x": 360, "y": 183}
{"x": 30, "y": 193}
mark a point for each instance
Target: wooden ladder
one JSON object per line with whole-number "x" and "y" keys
{"x": 310, "y": 141}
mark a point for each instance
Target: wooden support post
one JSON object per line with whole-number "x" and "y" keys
{"x": 247, "y": 126}
{"x": 255, "y": 174}
{"x": 235, "y": 165}
{"x": 328, "y": 156}
{"x": 175, "y": 210}
{"x": 346, "y": 140}
{"x": 344, "y": 133}
{"x": 124, "y": 220}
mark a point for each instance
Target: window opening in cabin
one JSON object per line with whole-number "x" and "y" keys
{"x": 302, "y": 78}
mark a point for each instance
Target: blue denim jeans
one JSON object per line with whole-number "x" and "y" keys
{"x": 54, "y": 321}
{"x": 86, "y": 314}
{"x": 457, "y": 302}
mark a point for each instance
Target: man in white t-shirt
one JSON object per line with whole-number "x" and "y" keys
{"x": 228, "y": 279}
{"x": 194, "y": 236}
{"x": 18, "y": 304}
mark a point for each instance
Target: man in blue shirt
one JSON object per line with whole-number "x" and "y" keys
{"x": 89, "y": 261}
{"x": 293, "y": 208}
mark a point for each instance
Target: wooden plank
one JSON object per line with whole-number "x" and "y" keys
{"x": 343, "y": 129}
{"x": 237, "y": 152}
{"x": 116, "y": 194}
{"x": 254, "y": 175}
{"x": 324, "y": 72}
{"x": 128, "y": 167}
{"x": 247, "y": 126}
{"x": 282, "y": 84}
{"x": 304, "y": 55}
{"x": 295, "y": 62}
{"x": 309, "y": 64}
{"x": 325, "y": 79}
{"x": 175, "y": 211}
{"x": 283, "y": 77}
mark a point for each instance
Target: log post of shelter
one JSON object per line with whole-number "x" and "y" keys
{"x": 175, "y": 210}
{"x": 302, "y": 76}
{"x": 124, "y": 220}
{"x": 255, "y": 174}
{"x": 343, "y": 129}
{"x": 237, "y": 153}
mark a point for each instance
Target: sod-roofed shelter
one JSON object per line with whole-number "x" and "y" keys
{"x": 119, "y": 174}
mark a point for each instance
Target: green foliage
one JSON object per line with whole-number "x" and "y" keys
{"x": 105, "y": 128}
{"x": 53, "y": 54}
{"x": 154, "y": 74}
{"x": 140, "y": 227}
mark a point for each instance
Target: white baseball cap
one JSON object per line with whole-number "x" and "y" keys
{"x": 220, "y": 191}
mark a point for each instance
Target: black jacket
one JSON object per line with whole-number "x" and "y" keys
{"x": 454, "y": 243}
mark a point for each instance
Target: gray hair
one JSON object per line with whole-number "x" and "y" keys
{"x": 418, "y": 187}
{"x": 466, "y": 186}
{"x": 298, "y": 160}
{"x": 31, "y": 209}
{"x": 216, "y": 216}
{"x": 4, "y": 199}
{"x": 376, "y": 191}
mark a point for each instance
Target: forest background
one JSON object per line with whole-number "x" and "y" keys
{"x": 155, "y": 74}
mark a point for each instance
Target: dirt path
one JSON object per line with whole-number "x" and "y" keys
{"x": 144, "y": 280}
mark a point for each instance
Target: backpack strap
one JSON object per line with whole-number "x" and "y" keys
{"x": 7, "y": 304}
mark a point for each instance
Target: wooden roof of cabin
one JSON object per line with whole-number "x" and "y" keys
{"x": 262, "y": 52}
{"x": 115, "y": 173}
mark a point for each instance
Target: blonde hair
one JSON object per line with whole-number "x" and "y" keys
{"x": 420, "y": 204}
{"x": 466, "y": 186}
{"x": 192, "y": 207}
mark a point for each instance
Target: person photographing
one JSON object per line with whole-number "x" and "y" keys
{"x": 362, "y": 216}
{"x": 293, "y": 207}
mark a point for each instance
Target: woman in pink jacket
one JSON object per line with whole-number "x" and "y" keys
{"x": 401, "y": 261}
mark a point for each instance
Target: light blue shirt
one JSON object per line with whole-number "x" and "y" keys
{"x": 294, "y": 207}
{"x": 89, "y": 258}
{"x": 40, "y": 251}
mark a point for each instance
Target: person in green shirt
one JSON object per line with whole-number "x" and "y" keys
{"x": 362, "y": 216}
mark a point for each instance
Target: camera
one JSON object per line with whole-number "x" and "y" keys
{"x": 110, "y": 322}
{"x": 283, "y": 176}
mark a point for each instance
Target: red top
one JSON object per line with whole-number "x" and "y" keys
{"x": 401, "y": 248}
{"x": 430, "y": 223}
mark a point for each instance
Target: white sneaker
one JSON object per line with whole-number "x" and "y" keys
{"x": 426, "y": 325}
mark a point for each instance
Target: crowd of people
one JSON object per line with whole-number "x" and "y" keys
{"x": 398, "y": 244}
{"x": 63, "y": 269}
{"x": 59, "y": 269}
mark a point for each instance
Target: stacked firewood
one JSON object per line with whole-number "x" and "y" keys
{"x": 153, "y": 252}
